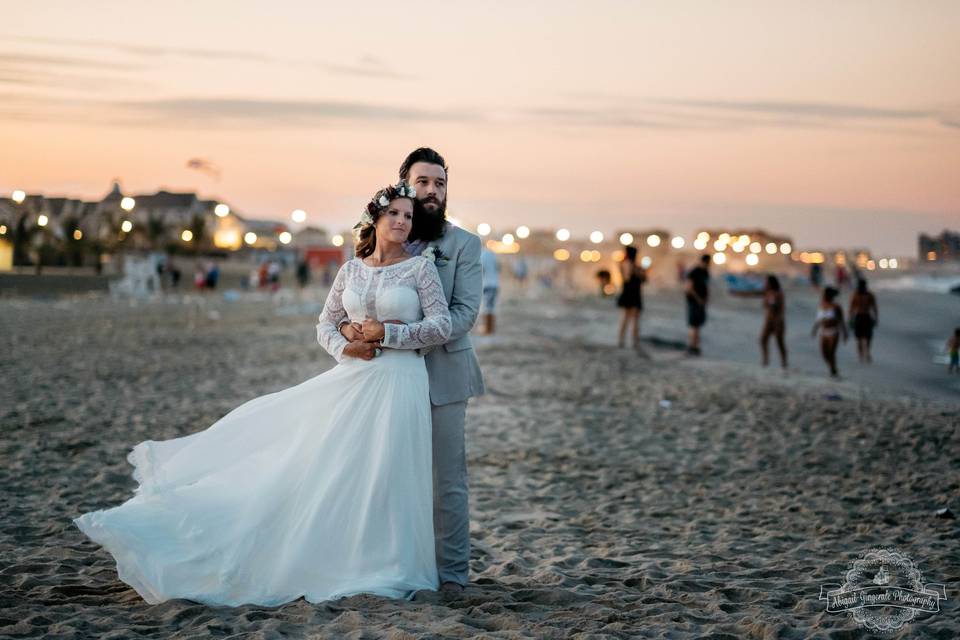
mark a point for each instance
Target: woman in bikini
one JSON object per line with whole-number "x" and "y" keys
{"x": 830, "y": 324}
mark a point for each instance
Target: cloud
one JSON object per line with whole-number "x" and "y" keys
{"x": 367, "y": 66}
{"x": 803, "y": 109}
{"x": 19, "y": 60}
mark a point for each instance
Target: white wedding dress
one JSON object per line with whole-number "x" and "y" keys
{"x": 321, "y": 490}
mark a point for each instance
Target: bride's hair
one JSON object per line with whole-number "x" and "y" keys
{"x": 366, "y": 236}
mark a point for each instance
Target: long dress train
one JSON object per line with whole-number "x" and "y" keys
{"x": 320, "y": 490}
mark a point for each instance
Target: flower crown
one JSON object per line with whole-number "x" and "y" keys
{"x": 382, "y": 199}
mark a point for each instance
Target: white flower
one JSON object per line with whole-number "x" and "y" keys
{"x": 411, "y": 192}
{"x": 430, "y": 253}
{"x": 384, "y": 201}
{"x": 366, "y": 218}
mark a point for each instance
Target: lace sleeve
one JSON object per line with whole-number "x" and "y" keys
{"x": 328, "y": 329}
{"x": 435, "y": 326}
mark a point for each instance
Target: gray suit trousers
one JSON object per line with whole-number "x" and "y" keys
{"x": 451, "y": 514}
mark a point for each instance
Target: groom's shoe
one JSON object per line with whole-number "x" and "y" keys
{"x": 451, "y": 589}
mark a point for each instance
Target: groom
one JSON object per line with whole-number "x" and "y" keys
{"x": 452, "y": 367}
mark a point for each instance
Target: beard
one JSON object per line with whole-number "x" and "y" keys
{"x": 428, "y": 225}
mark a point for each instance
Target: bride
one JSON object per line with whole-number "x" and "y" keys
{"x": 321, "y": 490}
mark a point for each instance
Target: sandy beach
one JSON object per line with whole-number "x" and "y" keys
{"x": 612, "y": 495}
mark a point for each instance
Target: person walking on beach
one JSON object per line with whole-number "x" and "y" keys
{"x": 321, "y": 490}
{"x": 830, "y": 324}
{"x": 863, "y": 317}
{"x": 452, "y": 367}
{"x": 491, "y": 287}
{"x": 697, "y": 291}
{"x": 631, "y": 296}
{"x": 953, "y": 349}
{"x": 774, "y": 320}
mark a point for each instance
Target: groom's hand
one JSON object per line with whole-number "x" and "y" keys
{"x": 352, "y": 331}
{"x": 362, "y": 350}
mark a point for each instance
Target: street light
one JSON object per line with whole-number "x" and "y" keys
{"x": 507, "y": 239}
{"x": 563, "y": 235}
{"x": 719, "y": 258}
{"x": 785, "y": 248}
{"x": 523, "y": 232}
{"x": 18, "y": 196}
{"x": 250, "y": 237}
{"x": 221, "y": 210}
{"x": 626, "y": 239}
{"x": 752, "y": 259}
{"x": 298, "y": 215}
{"x": 128, "y": 203}
{"x": 653, "y": 240}
{"x": 187, "y": 235}
{"x": 677, "y": 242}
{"x": 483, "y": 229}
{"x": 337, "y": 240}
{"x": 77, "y": 234}
{"x": 596, "y": 237}
{"x": 42, "y": 220}
{"x": 285, "y": 237}
{"x": 125, "y": 226}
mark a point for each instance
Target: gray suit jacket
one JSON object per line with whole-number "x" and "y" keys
{"x": 452, "y": 367}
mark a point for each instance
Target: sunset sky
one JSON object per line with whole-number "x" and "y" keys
{"x": 836, "y": 122}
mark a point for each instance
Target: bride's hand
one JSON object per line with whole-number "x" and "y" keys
{"x": 352, "y": 331}
{"x": 372, "y": 330}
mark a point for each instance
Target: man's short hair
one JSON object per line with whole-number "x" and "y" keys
{"x": 705, "y": 258}
{"x": 423, "y": 154}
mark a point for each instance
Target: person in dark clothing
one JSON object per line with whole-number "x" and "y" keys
{"x": 863, "y": 317}
{"x": 697, "y": 292}
{"x": 631, "y": 297}
{"x": 774, "y": 320}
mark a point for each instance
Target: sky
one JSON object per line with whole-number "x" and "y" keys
{"x": 835, "y": 122}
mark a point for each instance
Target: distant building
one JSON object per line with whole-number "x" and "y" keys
{"x": 942, "y": 248}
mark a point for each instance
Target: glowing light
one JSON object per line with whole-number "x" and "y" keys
{"x": 221, "y": 210}
{"x": 677, "y": 242}
{"x": 719, "y": 245}
{"x": 785, "y": 248}
{"x": 752, "y": 259}
{"x": 883, "y": 263}
{"x": 126, "y": 226}
{"x": 483, "y": 229}
{"x": 609, "y": 289}
{"x": 738, "y": 248}
{"x": 42, "y": 220}
{"x": 724, "y": 238}
{"x": 755, "y": 247}
{"x": 871, "y": 265}
{"x": 18, "y": 196}
{"x": 596, "y": 237}
{"x": 618, "y": 255}
{"x": 77, "y": 234}
{"x": 771, "y": 248}
{"x": 523, "y": 232}
{"x": 563, "y": 235}
{"x": 298, "y": 215}
{"x": 249, "y": 237}
{"x": 561, "y": 254}
{"x": 595, "y": 255}
{"x": 285, "y": 237}
{"x": 719, "y": 258}
{"x": 128, "y": 203}
{"x": 187, "y": 235}
{"x": 3, "y": 229}
{"x": 744, "y": 239}
{"x": 894, "y": 263}
{"x": 646, "y": 261}
{"x": 653, "y": 240}
{"x": 337, "y": 240}
{"x": 704, "y": 235}
{"x": 700, "y": 244}
{"x": 507, "y": 239}
{"x": 586, "y": 255}
{"x": 626, "y": 239}
{"x": 931, "y": 255}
